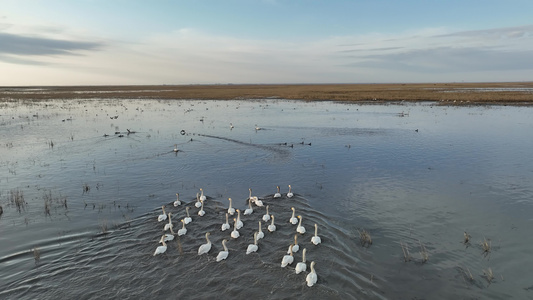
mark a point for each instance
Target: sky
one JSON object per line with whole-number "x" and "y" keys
{"x": 136, "y": 42}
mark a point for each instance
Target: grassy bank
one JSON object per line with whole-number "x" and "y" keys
{"x": 509, "y": 93}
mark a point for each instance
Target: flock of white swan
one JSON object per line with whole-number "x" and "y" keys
{"x": 286, "y": 260}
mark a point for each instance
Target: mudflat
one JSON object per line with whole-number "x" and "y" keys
{"x": 502, "y": 93}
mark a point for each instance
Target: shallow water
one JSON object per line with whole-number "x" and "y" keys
{"x": 407, "y": 173}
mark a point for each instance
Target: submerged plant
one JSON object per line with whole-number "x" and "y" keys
{"x": 406, "y": 255}
{"x": 486, "y": 247}
{"x": 36, "y": 254}
{"x": 466, "y": 237}
{"x": 423, "y": 252}
{"x": 489, "y": 275}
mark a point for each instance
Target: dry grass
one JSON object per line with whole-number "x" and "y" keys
{"x": 16, "y": 198}
{"x": 423, "y": 252}
{"x": 489, "y": 275}
{"x": 445, "y": 93}
{"x": 36, "y": 254}
{"x": 466, "y": 238}
{"x": 486, "y": 246}
{"x": 406, "y": 255}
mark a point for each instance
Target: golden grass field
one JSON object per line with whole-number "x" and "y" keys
{"x": 507, "y": 93}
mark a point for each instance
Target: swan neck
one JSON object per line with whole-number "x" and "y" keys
{"x": 316, "y": 230}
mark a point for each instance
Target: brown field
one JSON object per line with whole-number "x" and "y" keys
{"x": 508, "y": 93}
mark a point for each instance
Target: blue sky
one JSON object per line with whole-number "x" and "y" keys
{"x": 93, "y": 42}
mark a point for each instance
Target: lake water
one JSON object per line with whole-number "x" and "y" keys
{"x": 412, "y": 175}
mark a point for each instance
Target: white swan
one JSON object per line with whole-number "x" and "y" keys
{"x": 272, "y": 227}
{"x": 235, "y": 234}
{"x": 163, "y": 216}
{"x": 266, "y": 216}
{"x": 240, "y": 224}
{"x": 223, "y": 254}
{"x": 169, "y": 224}
{"x": 225, "y": 226}
{"x": 290, "y": 194}
{"x": 169, "y": 236}
{"x": 187, "y": 219}
{"x": 287, "y": 259}
{"x": 202, "y": 197}
{"x": 316, "y": 239}
{"x": 161, "y": 249}
{"x": 260, "y": 233}
{"x": 300, "y": 228}
{"x": 201, "y": 212}
{"x": 311, "y": 277}
{"x": 183, "y": 230}
{"x": 198, "y": 204}
{"x": 252, "y": 247}
{"x": 277, "y": 194}
{"x": 177, "y": 202}
{"x": 301, "y": 266}
{"x": 203, "y": 249}
{"x": 231, "y": 210}
{"x": 250, "y": 197}
{"x": 175, "y": 147}
{"x": 293, "y": 219}
{"x": 295, "y": 246}
{"x": 249, "y": 210}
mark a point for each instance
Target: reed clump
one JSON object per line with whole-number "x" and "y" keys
{"x": 36, "y": 254}
{"x": 423, "y": 252}
{"x": 486, "y": 246}
{"x": 16, "y": 198}
{"x": 489, "y": 275}
{"x": 406, "y": 254}
{"x": 364, "y": 238}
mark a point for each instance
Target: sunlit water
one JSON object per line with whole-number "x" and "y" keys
{"x": 412, "y": 174}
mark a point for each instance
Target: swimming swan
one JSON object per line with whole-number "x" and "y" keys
{"x": 204, "y": 248}
{"x": 187, "y": 219}
{"x": 169, "y": 224}
{"x": 311, "y": 277}
{"x": 295, "y": 246}
{"x": 223, "y": 254}
{"x": 316, "y": 239}
{"x": 198, "y": 204}
{"x": 161, "y": 249}
{"x": 287, "y": 259}
{"x": 240, "y": 224}
{"x": 290, "y": 194}
{"x": 235, "y": 234}
{"x": 201, "y": 212}
{"x": 225, "y": 226}
{"x": 163, "y": 216}
{"x": 266, "y": 216}
{"x": 249, "y": 210}
{"x": 252, "y": 247}
{"x": 231, "y": 210}
{"x": 169, "y": 236}
{"x": 260, "y": 233}
{"x": 293, "y": 219}
{"x": 277, "y": 194}
{"x": 300, "y": 228}
{"x": 202, "y": 197}
{"x": 272, "y": 227}
{"x": 177, "y": 202}
{"x": 183, "y": 230}
{"x": 301, "y": 266}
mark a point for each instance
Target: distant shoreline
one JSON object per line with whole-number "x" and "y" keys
{"x": 497, "y": 93}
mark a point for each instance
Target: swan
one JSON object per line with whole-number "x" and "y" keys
{"x": 161, "y": 249}
{"x": 177, "y": 202}
{"x": 201, "y": 212}
{"x": 287, "y": 259}
{"x": 231, "y": 210}
{"x": 202, "y": 197}
{"x": 301, "y": 266}
{"x": 260, "y": 233}
{"x": 253, "y": 198}
{"x": 316, "y": 239}
{"x": 240, "y": 224}
{"x": 293, "y": 219}
{"x": 259, "y": 202}
{"x": 277, "y": 194}
{"x": 198, "y": 204}
{"x": 249, "y": 210}
{"x": 225, "y": 226}
{"x": 295, "y": 246}
{"x": 183, "y": 230}
{"x": 223, "y": 254}
{"x": 187, "y": 219}
{"x": 169, "y": 224}
{"x": 175, "y": 147}
{"x": 163, "y": 216}
{"x": 266, "y": 216}
{"x": 290, "y": 194}
{"x": 235, "y": 234}
{"x": 204, "y": 248}
{"x": 169, "y": 236}
{"x": 272, "y": 227}
{"x": 311, "y": 277}
{"x": 300, "y": 228}
{"x": 252, "y": 247}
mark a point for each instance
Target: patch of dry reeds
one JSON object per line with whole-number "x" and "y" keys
{"x": 364, "y": 238}
{"x": 36, "y": 254}
{"x": 423, "y": 252}
{"x": 406, "y": 254}
{"x": 16, "y": 198}
{"x": 486, "y": 246}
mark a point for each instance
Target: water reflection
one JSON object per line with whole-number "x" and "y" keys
{"x": 410, "y": 174}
